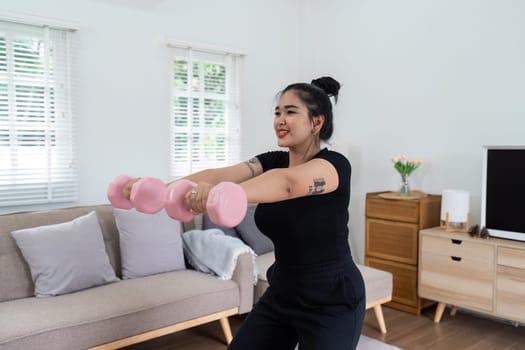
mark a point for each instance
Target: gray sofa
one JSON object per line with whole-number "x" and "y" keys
{"x": 115, "y": 314}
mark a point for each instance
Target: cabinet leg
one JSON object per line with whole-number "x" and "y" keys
{"x": 439, "y": 312}
{"x": 453, "y": 311}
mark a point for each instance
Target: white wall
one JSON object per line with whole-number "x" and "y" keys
{"x": 434, "y": 80}
{"x": 123, "y": 101}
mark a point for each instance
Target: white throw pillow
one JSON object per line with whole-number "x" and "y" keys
{"x": 149, "y": 243}
{"x": 66, "y": 257}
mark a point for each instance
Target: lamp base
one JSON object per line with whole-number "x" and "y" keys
{"x": 449, "y": 226}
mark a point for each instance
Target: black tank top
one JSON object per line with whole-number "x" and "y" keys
{"x": 312, "y": 229}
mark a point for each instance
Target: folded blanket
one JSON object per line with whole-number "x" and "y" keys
{"x": 211, "y": 251}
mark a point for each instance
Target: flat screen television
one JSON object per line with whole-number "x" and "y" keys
{"x": 503, "y": 191}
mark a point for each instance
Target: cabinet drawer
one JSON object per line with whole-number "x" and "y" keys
{"x": 459, "y": 274}
{"x": 396, "y": 241}
{"x": 458, "y": 249}
{"x": 397, "y": 210}
{"x": 404, "y": 289}
{"x": 511, "y": 257}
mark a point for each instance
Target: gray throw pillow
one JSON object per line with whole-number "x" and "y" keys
{"x": 208, "y": 224}
{"x": 66, "y": 257}
{"x": 149, "y": 243}
{"x": 251, "y": 235}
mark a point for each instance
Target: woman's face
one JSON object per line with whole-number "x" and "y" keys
{"x": 292, "y": 124}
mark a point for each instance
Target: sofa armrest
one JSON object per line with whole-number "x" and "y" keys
{"x": 243, "y": 272}
{"x": 243, "y": 275}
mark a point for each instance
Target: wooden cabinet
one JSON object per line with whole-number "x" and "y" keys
{"x": 458, "y": 271}
{"x": 484, "y": 275}
{"x": 391, "y": 242}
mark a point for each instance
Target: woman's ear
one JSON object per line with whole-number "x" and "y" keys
{"x": 317, "y": 124}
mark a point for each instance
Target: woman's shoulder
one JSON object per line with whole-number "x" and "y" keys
{"x": 332, "y": 156}
{"x": 274, "y": 159}
{"x": 338, "y": 160}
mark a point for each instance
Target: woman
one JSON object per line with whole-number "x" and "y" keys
{"x": 316, "y": 295}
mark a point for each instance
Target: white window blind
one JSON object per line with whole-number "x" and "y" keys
{"x": 206, "y": 110}
{"x": 37, "y": 158}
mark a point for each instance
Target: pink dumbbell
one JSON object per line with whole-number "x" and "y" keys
{"x": 226, "y": 204}
{"x": 147, "y": 194}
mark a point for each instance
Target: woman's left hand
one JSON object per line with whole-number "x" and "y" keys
{"x": 197, "y": 198}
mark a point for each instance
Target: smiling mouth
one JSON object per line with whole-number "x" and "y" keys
{"x": 282, "y": 133}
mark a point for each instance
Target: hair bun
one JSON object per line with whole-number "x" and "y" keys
{"x": 329, "y": 85}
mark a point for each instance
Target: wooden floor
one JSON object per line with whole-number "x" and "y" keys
{"x": 464, "y": 331}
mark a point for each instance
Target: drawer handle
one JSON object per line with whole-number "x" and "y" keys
{"x": 455, "y": 258}
{"x": 456, "y": 241}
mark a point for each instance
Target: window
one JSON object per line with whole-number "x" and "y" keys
{"x": 37, "y": 160}
{"x": 206, "y": 110}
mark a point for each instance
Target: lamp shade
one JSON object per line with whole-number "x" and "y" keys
{"x": 456, "y": 203}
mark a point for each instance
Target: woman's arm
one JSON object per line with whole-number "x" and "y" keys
{"x": 317, "y": 176}
{"x": 206, "y": 179}
{"x": 197, "y": 198}
{"x": 235, "y": 173}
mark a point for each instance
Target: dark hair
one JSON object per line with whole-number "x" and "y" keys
{"x": 316, "y": 97}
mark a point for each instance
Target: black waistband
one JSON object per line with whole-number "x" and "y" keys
{"x": 324, "y": 266}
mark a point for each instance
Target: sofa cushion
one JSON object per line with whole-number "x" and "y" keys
{"x": 149, "y": 243}
{"x": 378, "y": 283}
{"x": 250, "y": 234}
{"x": 66, "y": 257}
{"x": 114, "y": 311}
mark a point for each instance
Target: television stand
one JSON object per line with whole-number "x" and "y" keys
{"x": 483, "y": 275}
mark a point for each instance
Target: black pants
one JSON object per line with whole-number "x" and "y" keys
{"x": 320, "y": 307}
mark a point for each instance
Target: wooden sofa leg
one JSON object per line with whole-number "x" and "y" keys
{"x": 380, "y": 319}
{"x": 225, "y": 325}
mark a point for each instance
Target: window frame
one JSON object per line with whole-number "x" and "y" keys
{"x": 49, "y": 174}
{"x": 195, "y": 155}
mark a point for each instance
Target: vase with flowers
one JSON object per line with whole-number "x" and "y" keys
{"x": 405, "y": 167}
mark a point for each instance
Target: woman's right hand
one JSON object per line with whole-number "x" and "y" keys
{"x": 126, "y": 191}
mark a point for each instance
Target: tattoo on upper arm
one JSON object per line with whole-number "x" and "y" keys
{"x": 317, "y": 187}
{"x": 250, "y": 163}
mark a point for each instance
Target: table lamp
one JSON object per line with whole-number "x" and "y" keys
{"x": 455, "y": 215}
